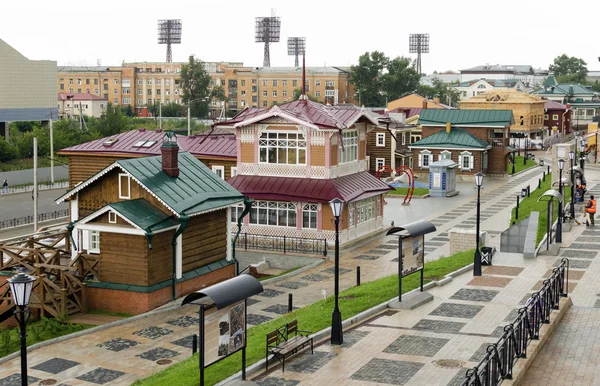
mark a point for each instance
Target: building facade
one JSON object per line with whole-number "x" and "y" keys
{"x": 531, "y": 77}
{"x": 474, "y": 87}
{"x": 28, "y": 91}
{"x": 76, "y": 105}
{"x": 557, "y": 118}
{"x": 414, "y": 101}
{"x": 295, "y": 158}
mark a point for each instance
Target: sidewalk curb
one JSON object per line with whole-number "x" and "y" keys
{"x": 402, "y": 197}
{"x": 294, "y": 272}
{"x": 524, "y": 171}
{"x": 358, "y": 318}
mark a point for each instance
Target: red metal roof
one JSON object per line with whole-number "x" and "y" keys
{"x": 352, "y": 187}
{"x": 553, "y": 105}
{"x": 408, "y": 111}
{"x": 80, "y": 97}
{"x": 318, "y": 114}
{"x": 221, "y": 145}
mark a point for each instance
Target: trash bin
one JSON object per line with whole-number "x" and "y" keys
{"x": 541, "y": 162}
{"x": 486, "y": 255}
{"x": 524, "y": 192}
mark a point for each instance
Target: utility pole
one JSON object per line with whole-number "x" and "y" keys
{"x": 35, "y": 186}
{"x": 80, "y": 117}
{"x": 160, "y": 114}
{"x": 189, "y": 128}
{"x": 51, "y": 150}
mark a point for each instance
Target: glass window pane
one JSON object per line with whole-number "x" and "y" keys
{"x": 292, "y": 218}
{"x": 272, "y": 156}
{"x": 313, "y": 220}
{"x": 263, "y": 154}
{"x": 281, "y": 155}
{"x": 291, "y": 156}
{"x": 301, "y": 156}
{"x": 253, "y": 215}
{"x": 272, "y": 216}
{"x": 282, "y": 217}
{"x": 262, "y": 216}
{"x": 305, "y": 219}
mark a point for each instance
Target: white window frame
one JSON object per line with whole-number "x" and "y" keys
{"x": 422, "y": 155}
{"x": 311, "y": 212}
{"x": 317, "y": 82}
{"x": 112, "y": 217}
{"x": 273, "y": 144}
{"x": 380, "y": 140}
{"x": 128, "y": 196}
{"x": 377, "y": 161}
{"x": 351, "y": 209}
{"x": 443, "y": 154}
{"x": 217, "y": 168}
{"x": 94, "y": 242}
{"x": 350, "y": 151}
{"x": 468, "y": 157}
{"x": 234, "y": 171}
{"x": 271, "y": 213}
{"x": 366, "y": 210}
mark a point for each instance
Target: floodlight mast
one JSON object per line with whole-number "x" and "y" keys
{"x": 418, "y": 44}
{"x": 169, "y": 32}
{"x": 296, "y": 47}
{"x": 268, "y": 31}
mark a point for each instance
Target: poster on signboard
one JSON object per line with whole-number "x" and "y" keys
{"x": 224, "y": 332}
{"x": 413, "y": 254}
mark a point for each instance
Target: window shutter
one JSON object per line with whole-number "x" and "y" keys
{"x": 439, "y": 157}
{"x": 420, "y": 159}
{"x": 471, "y": 162}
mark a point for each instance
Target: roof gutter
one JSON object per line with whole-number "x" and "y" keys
{"x": 184, "y": 223}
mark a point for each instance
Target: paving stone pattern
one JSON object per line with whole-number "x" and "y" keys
{"x": 184, "y": 321}
{"x": 292, "y": 284}
{"x": 438, "y": 326}
{"x": 588, "y": 239}
{"x": 15, "y": 380}
{"x": 378, "y": 251}
{"x": 512, "y": 315}
{"x": 574, "y": 263}
{"x": 498, "y": 331}
{"x": 251, "y": 301}
{"x": 308, "y": 363}
{"x": 459, "y": 378}
{"x": 315, "y": 277}
{"x": 416, "y": 345}
{"x": 353, "y": 337}
{"x": 476, "y": 295}
{"x": 118, "y": 344}
{"x": 275, "y": 381}
{"x": 158, "y": 353}
{"x": 480, "y": 352}
{"x": 186, "y": 342}
{"x": 256, "y": 319}
{"x": 101, "y": 376}
{"x": 456, "y": 310}
{"x": 584, "y": 246}
{"x": 55, "y": 365}
{"x": 279, "y": 309}
{"x": 386, "y": 246}
{"x": 367, "y": 257}
{"x": 387, "y": 371}
{"x": 572, "y": 253}
{"x": 153, "y": 332}
{"x": 270, "y": 293}
{"x": 332, "y": 270}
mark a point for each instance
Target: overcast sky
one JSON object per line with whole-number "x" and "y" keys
{"x": 464, "y": 33}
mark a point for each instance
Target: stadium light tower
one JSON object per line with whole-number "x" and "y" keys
{"x": 418, "y": 44}
{"x": 296, "y": 47}
{"x": 268, "y": 31}
{"x": 169, "y": 32}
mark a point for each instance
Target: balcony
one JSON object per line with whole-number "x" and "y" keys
{"x": 499, "y": 142}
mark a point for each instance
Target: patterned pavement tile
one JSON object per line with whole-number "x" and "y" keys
{"x": 251, "y": 301}
{"x": 118, "y": 344}
{"x": 498, "y": 332}
{"x": 153, "y": 332}
{"x": 275, "y": 381}
{"x": 573, "y": 263}
{"x": 367, "y": 257}
{"x": 332, "y": 270}
{"x": 186, "y": 342}
{"x": 571, "y": 253}
{"x": 480, "y": 352}
{"x": 280, "y": 309}
{"x": 488, "y": 281}
{"x": 476, "y": 295}
{"x": 15, "y": 380}
{"x": 256, "y": 319}
{"x": 101, "y": 376}
{"x": 456, "y": 310}
{"x": 446, "y": 239}
{"x": 584, "y": 246}
{"x": 378, "y": 251}
{"x": 525, "y": 299}
{"x": 588, "y": 239}
{"x": 315, "y": 277}
{"x": 387, "y": 246}
{"x": 387, "y": 371}
{"x": 597, "y": 304}
{"x": 270, "y": 293}
{"x": 573, "y": 274}
{"x": 512, "y": 315}
{"x": 184, "y": 321}
{"x": 308, "y": 363}
{"x": 158, "y": 353}
{"x": 438, "y": 326}
{"x": 416, "y": 345}
{"x": 352, "y": 337}
{"x": 55, "y": 365}
{"x": 292, "y": 284}
{"x": 503, "y": 270}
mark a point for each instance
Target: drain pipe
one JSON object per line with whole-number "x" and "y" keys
{"x": 247, "y": 207}
{"x": 184, "y": 219}
{"x": 70, "y": 227}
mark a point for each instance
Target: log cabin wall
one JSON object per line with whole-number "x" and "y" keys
{"x": 205, "y": 240}
{"x": 82, "y": 167}
{"x": 123, "y": 259}
{"x": 160, "y": 258}
{"x": 374, "y": 151}
{"x": 227, "y": 164}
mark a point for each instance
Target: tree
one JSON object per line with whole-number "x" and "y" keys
{"x": 401, "y": 77}
{"x": 113, "y": 121}
{"x": 573, "y": 67}
{"x": 366, "y": 78}
{"x": 298, "y": 92}
{"x": 439, "y": 89}
{"x": 195, "y": 82}
{"x": 172, "y": 110}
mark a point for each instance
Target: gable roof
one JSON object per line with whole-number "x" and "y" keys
{"x": 80, "y": 97}
{"x": 305, "y": 112}
{"x": 456, "y": 138}
{"x": 564, "y": 89}
{"x": 466, "y": 118}
{"x": 405, "y": 102}
{"x": 196, "y": 190}
{"x": 553, "y": 105}
{"x": 143, "y": 214}
{"x": 491, "y": 82}
{"x": 503, "y": 96}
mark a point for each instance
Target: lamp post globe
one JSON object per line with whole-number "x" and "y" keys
{"x": 21, "y": 285}
{"x": 337, "y": 336}
{"x": 477, "y": 258}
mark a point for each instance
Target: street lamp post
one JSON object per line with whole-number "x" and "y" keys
{"x": 20, "y": 287}
{"x": 572, "y": 158}
{"x": 337, "y": 335}
{"x": 525, "y": 153}
{"x": 477, "y": 257}
{"x": 581, "y": 156}
{"x": 561, "y": 166}
{"x": 189, "y": 131}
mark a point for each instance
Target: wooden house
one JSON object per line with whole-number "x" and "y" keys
{"x": 477, "y": 140}
{"x": 294, "y": 158}
{"x": 382, "y": 142}
{"x": 158, "y": 226}
{"x": 217, "y": 151}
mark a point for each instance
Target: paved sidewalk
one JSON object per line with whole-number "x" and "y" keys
{"x": 121, "y": 354}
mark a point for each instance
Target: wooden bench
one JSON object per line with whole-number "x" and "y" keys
{"x": 286, "y": 341}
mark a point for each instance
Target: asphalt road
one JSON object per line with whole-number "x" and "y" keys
{"x": 18, "y": 205}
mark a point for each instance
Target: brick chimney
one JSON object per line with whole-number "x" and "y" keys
{"x": 424, "y": 106}
{"x": 170, "y": 154}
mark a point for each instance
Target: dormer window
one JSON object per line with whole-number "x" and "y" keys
{"x": 282, "y": 148}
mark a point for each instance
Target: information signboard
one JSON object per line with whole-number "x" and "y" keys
{"x": 413, "y": 254}
{"x": 224, "y": 332}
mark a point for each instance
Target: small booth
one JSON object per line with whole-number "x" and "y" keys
{"x": 411, "y": 258}
{"x": 442, "y": 178}
{"x": 549, "y": 196}
{"x": 223, "y": 319}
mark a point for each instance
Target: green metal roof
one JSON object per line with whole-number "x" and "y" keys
{"x": 483, "y": 118}
{"x": 144, "y": 214}
{"x": 196, "y": 189}
{"x": 456, "y": 138}
{"x": 564, "y": 89}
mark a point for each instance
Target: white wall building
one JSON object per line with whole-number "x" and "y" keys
{"x": 74, "y": 105}
{"x": 531, "y": 77}
{"x": 471, "y": 88}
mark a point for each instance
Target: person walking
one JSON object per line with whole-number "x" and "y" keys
{"x": 5, "y": 186}
{"x": 590, "y": 209}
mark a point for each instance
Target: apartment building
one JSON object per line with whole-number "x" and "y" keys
{"x": 141, "y": 83}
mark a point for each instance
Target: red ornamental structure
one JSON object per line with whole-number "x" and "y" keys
{"x": 399, "y": 171}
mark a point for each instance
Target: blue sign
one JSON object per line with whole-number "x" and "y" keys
{"x": 444, "y": 181}
{"x": 430, "y": 179}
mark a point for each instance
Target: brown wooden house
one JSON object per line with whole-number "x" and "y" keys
{"x": 159, "y": 227}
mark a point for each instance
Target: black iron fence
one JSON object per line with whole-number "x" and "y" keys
{"x": 285, "y": 244}
{"x": 497, "y": 364}
{"x": 25, "y": 220}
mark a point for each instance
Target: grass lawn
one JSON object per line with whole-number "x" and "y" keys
{"x": 531, "y": 204}
{"x": 519, "y": 164}
{"x": 403, "y": 191}
{"x": 314, "y": 317}
{"x": 38, "y": 331}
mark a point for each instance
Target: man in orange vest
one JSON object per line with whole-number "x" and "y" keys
{"x": 590, "y": 208}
